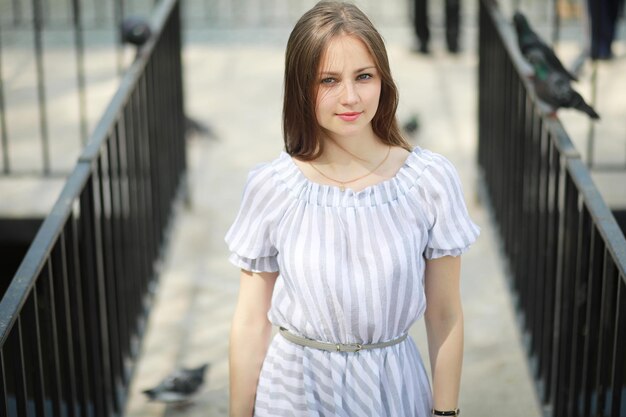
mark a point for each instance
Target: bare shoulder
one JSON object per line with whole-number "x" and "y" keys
{"x": 395, "y": 161}
{"x": 399, "y": 155}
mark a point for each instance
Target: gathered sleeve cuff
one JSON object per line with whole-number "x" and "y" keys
{"x": 452, "y": 231}
{"x": 250, "y": 238}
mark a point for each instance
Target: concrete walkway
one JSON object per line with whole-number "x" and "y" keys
{"x": 237, "y": 89}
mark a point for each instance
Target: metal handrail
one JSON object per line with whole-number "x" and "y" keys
{"x": 565, "y": 251}
{"x": 72, "y": 316}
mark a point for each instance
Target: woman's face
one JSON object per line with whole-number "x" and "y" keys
{"x": 348, "y": 88}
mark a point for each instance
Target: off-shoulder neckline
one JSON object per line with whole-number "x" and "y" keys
{"x": 389, "y": 189}
{"x": 303, "y": 176}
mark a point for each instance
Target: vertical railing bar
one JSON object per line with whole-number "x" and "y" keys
{"x": 527, "y": 206}
{"x": 77, "y": 308}
{"x": 16, "y": 353}
{"x": 109, "y": 290}
{"x": 79, "y": 47}
{"x": 605, "y": 325}
{"x": 530, "y": 206}
{"x": 141, "y": 137}
{"x": 35, "y": 379}
{"x": 579, "y": 325}
{"x": 142, "y": 167}
{"x": 45, "y": 292}
{"x": 90, "y": 268}
{"x": 180, "y": 138}
{"x": 132, "y": 230}
{"x": 180, "y": 125}
{"x": 4, "y": 406}
{"x": 118, "y": 251}
{"x": 541, "y": 251}
{"x": 134, "y": 138}
{"x": 553, "y": 304}
{"x": 594, "y": 300}
{"x": 568, "y": 285}
{"x": 561, "y": 262}
{"x": 65, "y": 332}
{"x": 160, "y": 72}
{"x": 618, "y": 370}
{"x": 127, "y": 230}
{"x": 102, "y": 293}
{"x": 145, "y": 194}
{"x": 167, "y": 101}
{"x": 174, "y": 106}
{"x": 41, "y": 88}
{"x": 538, "y": 246}
{"x": 517, "y": 237}
{"x": 508, "y": 176}
{"x": 518, "y": 192}
{"x": 172, "y": 138}
{"x": 154, "y": 132}
{"x": 544, "y": 284}
{"x": 4, "y": 134}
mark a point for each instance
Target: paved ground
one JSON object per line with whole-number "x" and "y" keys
{"x": 237, "y": 88}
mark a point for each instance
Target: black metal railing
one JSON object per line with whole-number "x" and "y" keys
{"x": 72, "y": 317}
{"x": 566, "y": 254}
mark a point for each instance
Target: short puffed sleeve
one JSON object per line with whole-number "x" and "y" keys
{"x": 451, "y": 228}
{"x": 250, "y": 237}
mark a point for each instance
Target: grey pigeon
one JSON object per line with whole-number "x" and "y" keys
{"x": 529, "y": 42}
{"x": 135, "y": 30}
{"x": 411, "y": 125}
{"x": 554, "y": 88}
{"x": 179, "y": 386}
{"x": 195, "y": 128}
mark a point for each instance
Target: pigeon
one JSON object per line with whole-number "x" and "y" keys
{"x": 195, "y": 128}
{"x": 179, "y": 386}
{"x": 411, "y": 125}
{"x": 554, "y": 88}
{"x": 529, "y": 42}
{"x": 135, "y": 30}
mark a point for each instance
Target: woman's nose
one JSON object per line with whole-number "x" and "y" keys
{"x": 349, "y": 95}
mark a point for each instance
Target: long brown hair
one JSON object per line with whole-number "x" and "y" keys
{"x": 305, "y": 48}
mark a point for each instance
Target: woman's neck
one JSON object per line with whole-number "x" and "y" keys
{"x": 348, "y": 151}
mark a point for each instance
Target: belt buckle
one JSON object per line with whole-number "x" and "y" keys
{"x": 352, "y": 347}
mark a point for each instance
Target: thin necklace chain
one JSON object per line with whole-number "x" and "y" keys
{"x": 343, "y": 183}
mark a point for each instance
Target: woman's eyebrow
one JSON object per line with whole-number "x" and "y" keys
{"x": 356, "y": 71}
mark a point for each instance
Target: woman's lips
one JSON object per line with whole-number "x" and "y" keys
{"x": 349, "y": 117}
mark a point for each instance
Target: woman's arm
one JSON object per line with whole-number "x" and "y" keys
{"x": 249, "y": 339}
{"x": 444, "y": 327}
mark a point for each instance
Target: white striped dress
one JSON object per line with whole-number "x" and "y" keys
{"x": 351, "y": 271}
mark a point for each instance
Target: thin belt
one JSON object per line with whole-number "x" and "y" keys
{"x": 336, "y": 347}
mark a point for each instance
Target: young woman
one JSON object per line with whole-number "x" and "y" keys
{"x": 343, "y": 241}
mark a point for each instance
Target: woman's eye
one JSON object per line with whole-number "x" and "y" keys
{"x": 328, "y": 80}
{"x": 364, "y": 76}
